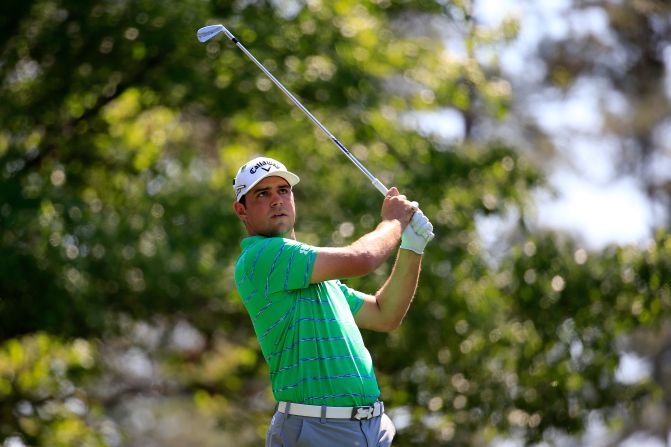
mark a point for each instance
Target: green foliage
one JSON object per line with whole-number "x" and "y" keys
{"x": 42, "y": 400}
{"x": 120, "y": 136}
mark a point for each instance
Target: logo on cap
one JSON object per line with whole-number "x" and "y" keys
{"x": 262, "y": 165}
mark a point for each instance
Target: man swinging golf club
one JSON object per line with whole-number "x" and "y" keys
{"x": 307, "y": 321}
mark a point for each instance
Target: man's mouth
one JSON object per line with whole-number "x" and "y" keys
{"x": 277, "y": 215}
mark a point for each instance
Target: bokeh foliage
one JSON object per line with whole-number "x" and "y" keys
{"x": 120, "y": 135}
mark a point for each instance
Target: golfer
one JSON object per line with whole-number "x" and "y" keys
{"x": 307, "y": 321}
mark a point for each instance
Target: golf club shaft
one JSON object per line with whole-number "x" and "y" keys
{"x": 377, "y": 183}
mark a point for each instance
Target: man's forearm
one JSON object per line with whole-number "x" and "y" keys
{"x": 380, "y": 243}
{"x": 359, "y": 258}
{"x": 395, "y": 296}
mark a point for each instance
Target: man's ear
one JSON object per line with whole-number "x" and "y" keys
{"x": 240, "y": 210}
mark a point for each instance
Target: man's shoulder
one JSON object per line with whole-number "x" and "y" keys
{"x": 274, "y": 263}
{"x": 262, "y": 249}
{"x": 257, "y": 243}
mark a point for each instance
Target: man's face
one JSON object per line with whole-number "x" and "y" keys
{"x": 269, "y": 209}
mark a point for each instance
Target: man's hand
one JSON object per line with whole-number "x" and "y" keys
{"x": 397, "y": 207}
{"x": 418, "y": 234}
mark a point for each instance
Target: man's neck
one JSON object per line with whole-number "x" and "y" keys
{"x": 288, "y": 235}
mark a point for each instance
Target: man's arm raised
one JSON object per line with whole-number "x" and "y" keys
{"x": 385, "y": 310}
{"x": 371, "y": 250}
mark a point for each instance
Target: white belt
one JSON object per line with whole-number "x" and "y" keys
{"x": 316, "y": 411}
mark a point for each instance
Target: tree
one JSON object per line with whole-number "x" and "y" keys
{"x": 120, "y": 136}
{"x": 611, "y": 59}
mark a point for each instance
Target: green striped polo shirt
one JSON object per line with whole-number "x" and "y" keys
{"x": 307, "y": 331}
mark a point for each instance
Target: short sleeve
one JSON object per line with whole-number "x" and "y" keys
{"x": 354, "y": 298}
{"x": 278, "y": 264}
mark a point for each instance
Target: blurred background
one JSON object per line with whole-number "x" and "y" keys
{"x": 535, "y": 135}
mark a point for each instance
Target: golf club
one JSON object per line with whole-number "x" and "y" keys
{"x": 208, "y": 32}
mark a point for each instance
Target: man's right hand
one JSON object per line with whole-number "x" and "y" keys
{"x": 397, "y": 207}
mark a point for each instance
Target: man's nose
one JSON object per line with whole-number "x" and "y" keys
{"x": 276, "y": 199}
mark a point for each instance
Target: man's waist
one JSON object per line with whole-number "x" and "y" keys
{"x": 319, "y": 411}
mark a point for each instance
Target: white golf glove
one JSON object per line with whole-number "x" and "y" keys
{"x": 417, "y": 234}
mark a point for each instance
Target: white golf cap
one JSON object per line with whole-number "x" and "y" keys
{"x": 256, "y": 170}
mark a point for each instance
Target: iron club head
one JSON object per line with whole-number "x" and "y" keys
{"x": 208, "y": 32}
